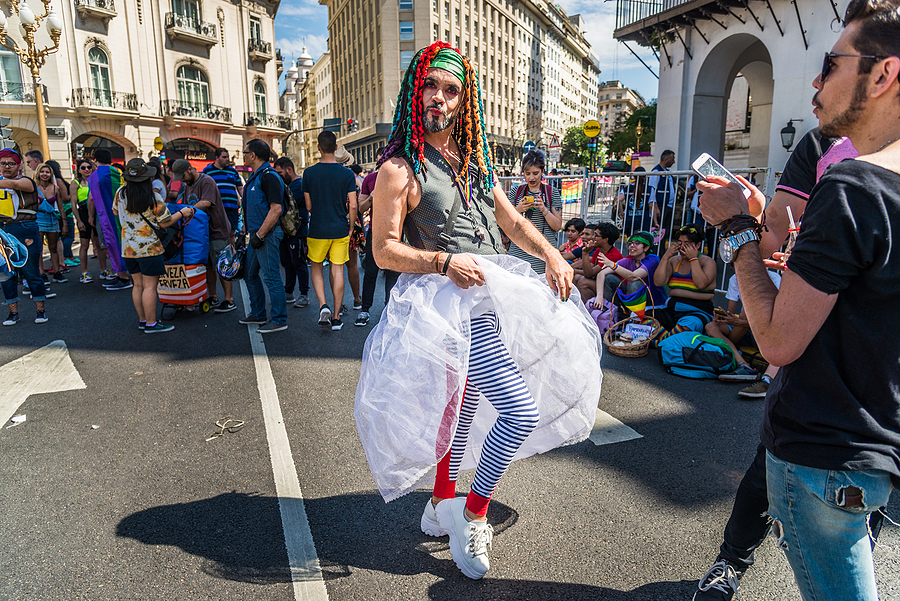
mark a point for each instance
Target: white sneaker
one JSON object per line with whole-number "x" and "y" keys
{"x": 430, "y": 525}
{"x": 469, "y": 541}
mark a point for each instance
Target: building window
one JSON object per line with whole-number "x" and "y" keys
{"x": 406, "y": 57}
{"x": 259, "y": 98}
{"x": 193, "y": 87}
{"x": 434, "y": 6}
{"x": 456, "y": 17}
{"x": 99, "y": 67}
{"x": 10, "y": 75}
{"x": 406, "y": 30}
{"x": 436, "y": 33}
{"x": 447, "y": 10}
{"x": 189, "y": 10}
{"x": 255, "y": 28}
{"x": 406, "y": 4}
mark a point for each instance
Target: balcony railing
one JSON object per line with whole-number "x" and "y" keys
{"x": 104, "y": 9}
{"x": 632, "y": 11}
{"x": 279, "y": 62}
{"x": 191, "y": 29}
{"x": 19, "y": 92}
{"x": 90, "y": 97}
{"x": 194, "y": 110}
{"x": 266, "y": 120}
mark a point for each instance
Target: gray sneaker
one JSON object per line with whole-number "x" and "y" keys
{"x": 757, "y": 390}
{"x": 720, "y": 583}
{"x": 302, "y": 301}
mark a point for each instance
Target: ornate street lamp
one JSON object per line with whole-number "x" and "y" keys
{"x": 30, "y": 56}
{"x": 637, "y": 132}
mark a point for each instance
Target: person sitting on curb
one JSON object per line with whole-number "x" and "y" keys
{"x": 605, "y": 235}
{"x": 635, "y": 270}
{"x": 573, "y": 230}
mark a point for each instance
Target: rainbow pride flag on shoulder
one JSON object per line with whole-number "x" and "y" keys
{"x": 103, "y": 183}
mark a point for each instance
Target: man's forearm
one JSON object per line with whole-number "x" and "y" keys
{"x": 270, "y": 220}
{"x": 526, "y": 237}
{"x": 757, "y": 294}
{"x": 396, "y": 256}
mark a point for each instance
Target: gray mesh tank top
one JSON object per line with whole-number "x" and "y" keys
{"x": 426, "y": 222}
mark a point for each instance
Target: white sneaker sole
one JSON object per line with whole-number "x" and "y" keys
{"x": 738, "y": 378}
{"x": 445, "y": 515}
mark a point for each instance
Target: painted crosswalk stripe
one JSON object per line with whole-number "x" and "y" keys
{"x": 609, "y": 430}
{"x": 306, "y": 573}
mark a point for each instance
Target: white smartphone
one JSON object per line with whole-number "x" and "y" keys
{"x": 705, "y": 165}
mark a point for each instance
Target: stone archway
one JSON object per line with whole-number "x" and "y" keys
{"x": 740, "y": 53}
{"x": 121, "y": 148}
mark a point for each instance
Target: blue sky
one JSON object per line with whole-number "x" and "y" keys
{"x": 305, "y": 23}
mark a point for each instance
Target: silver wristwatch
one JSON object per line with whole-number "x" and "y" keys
{"x": 728, "y": 246}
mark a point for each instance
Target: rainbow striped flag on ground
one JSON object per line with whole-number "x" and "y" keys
{"x": 104, "y": 182}
{"x": 636, "y": 301}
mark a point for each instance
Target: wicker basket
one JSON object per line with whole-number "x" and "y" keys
{"x": 632, "y": 350}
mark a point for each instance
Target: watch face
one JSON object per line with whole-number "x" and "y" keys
{"x": 725, "y": 250}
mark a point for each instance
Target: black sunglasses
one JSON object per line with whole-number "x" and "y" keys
{"x": 828, "y": 63}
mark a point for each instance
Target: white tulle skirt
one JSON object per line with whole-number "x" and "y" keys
{"x": 415, "y": 362}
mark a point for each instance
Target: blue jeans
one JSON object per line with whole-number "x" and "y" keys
{"x": 820, "y": 521}
{"x": 264, "y": 261}
{"x": 26, "y": 230}
{"x": 69, "y": 238}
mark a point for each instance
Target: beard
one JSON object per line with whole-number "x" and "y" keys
{"x": 844, "y": 122}
{"x": 435, "y": 124}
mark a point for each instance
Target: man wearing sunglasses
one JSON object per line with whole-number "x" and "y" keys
{"x": 831, "y": 427}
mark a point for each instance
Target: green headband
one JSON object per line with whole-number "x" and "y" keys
{"x": 450, "y": 60}
{"x": 642, "y": 237}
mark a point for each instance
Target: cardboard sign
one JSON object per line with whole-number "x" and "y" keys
{"x": 175, "y": 279}
{"x": 638, "y": 330}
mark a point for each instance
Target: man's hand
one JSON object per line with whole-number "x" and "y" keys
{"x": 256, "y": 242}
{"x": 723, "y": 199}
{"x": 559, "y": 275}
{"x": 464, "y": 271}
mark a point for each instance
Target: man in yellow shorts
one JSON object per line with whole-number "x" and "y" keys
{"x": 330, "y": 192}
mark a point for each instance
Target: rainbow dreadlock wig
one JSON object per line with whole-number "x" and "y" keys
{"x": 408, "y": 132}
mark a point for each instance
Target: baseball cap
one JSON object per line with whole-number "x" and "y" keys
{"x": 178, "y": 169}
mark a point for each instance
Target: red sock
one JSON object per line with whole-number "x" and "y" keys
{"x": 477, "y": 504}
{"x": 444, "y": 488}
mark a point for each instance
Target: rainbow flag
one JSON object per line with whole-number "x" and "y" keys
{"x": 635, "y": 302}
{"x": 104, "y": 182}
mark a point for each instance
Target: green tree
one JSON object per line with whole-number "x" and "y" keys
{"x": 623, "y": 141}
{"x": 574, "y": 149}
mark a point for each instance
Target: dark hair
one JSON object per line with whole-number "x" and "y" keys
{"x": 691, "y": 232}
{"x": 591, "y": 226}
{"x": 285, "y": 163}
{"x": 103, "y": 156}
{"x": 639, "y": 169}
{"x": 57, "y": 172}
{"x": 35, "y": 154}
{"x": 666, "y": 153}
{"x": 219, "y": 151}
{"x": 260, "y": 149}
{"x": 577, "y": 223}
{"x": 534, "y": 158}
{"x": 879, "y": 29}
{"x": 160, "y": 172}
{"x": 138, "y": 196}
{"x": 78, "y": 165}
{"x": 609, "y": 231}
{"x": 327, "y": 141}
{"x": 355, "y": 168}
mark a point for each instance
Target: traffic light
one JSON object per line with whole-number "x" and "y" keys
{"x": 353, "y": 125}
{"x": 5, "y": 134}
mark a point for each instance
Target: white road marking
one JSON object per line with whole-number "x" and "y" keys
{"x": 609, "y": 430}
{"x": 306, "y": 573}
{"x": 48, "y": 369}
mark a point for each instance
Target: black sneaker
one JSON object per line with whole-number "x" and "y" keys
{"x": 719, "y": 584}
{"x": 250, "y": 320}
{"x": 336, "y": 325}
{"x": 11, "y": 320}
{"x": 344, "y": 309}
{"x": 324, "y": 316}
{"x": 273, "y": 327}
{"x": 362, "y": 319}
{"x": 225, "y": 306}
{"x": 41, "y": 317}
{"x": 58, "y": 277}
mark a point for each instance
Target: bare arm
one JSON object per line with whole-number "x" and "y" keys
{"x": 777, "y": 222}
{"x": 22, "y": 184}
{"x": 351, "y": 213}
{"x": 365, "y": 203}
{"x": 395, "y": 186}
{"x": 62, "y": 190}
{"x": 308, "y": 201}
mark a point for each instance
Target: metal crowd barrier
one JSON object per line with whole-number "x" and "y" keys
{"x": 624, "y": 199}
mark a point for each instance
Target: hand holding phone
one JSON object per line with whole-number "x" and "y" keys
{"x": 705, "y": 165}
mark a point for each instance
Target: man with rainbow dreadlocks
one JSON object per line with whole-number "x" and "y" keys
{"x": 439, "y": 346}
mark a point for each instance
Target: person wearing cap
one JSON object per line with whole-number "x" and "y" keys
{"x": 201, "y": 192}
{"x": 636, "y": 269}
{"x": 140, "y": 209}
{"x": 330, "y": 192}
{"x": 441, "y": 329}
{"x": 21, "y": 193}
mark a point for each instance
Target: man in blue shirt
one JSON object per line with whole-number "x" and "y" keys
{"x": 662, "y": 190}
{"x": 262, "y": 205}
{"x": 230, "y": 184}
{"x": 293, "y": 248}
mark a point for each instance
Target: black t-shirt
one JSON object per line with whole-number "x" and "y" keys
{"x": 812, "y": 156}
{"x": 838, "y": 405}
{"x": 328, "y": 185}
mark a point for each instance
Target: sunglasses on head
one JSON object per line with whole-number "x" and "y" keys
{"x": 828, "y": 63}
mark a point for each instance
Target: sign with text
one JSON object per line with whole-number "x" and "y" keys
{"x": 591, "y": 129}
{"x": 637, "y": 330}
{"x": 176, "y": 280}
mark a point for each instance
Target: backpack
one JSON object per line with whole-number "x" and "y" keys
{"x": 693, "y": 355}
{"x": 290, "y": 219}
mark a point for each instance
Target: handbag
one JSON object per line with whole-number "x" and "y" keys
{"x": 171, "y": 238}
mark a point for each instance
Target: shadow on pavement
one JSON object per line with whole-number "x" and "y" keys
{"x": 526, "y": 590}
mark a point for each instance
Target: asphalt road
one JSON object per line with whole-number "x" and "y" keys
{"x": 145, "y": 507}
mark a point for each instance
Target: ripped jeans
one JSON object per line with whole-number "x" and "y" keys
{"x": 820, "y": 523}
